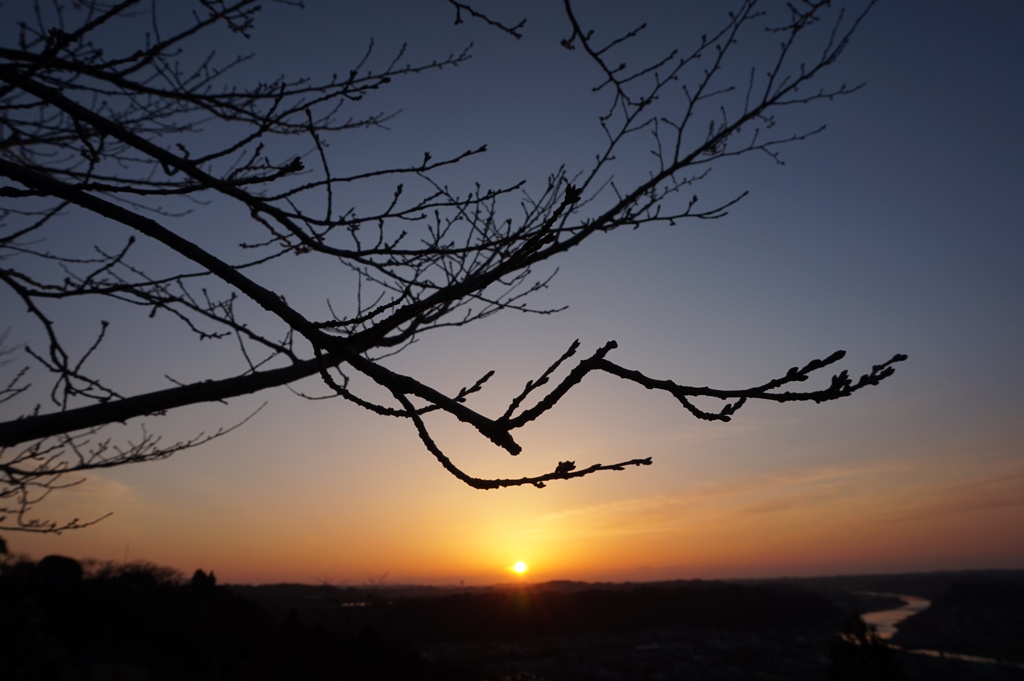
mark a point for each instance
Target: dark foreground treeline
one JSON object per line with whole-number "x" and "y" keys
{"x": 60, "y": 619}
{"x": 139, "y": 622}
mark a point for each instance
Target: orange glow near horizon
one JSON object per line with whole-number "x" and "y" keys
{"x": 891, "y": 516}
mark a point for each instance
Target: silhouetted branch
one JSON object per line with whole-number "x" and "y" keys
{"x": 460, "y": 7}
{"x": 145, "y": 135}
{"x": 31, "y": 474}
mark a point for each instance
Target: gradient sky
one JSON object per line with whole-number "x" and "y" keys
{"x": 896, "y": 230}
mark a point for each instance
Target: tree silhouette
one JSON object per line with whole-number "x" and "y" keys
{"x": 113, "y": 118}
{"x": 860, "y": 653}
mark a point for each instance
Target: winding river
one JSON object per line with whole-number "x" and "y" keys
{"x": 887, "y": 621}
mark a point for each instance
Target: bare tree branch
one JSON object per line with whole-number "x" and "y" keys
{"x": 147, "y": 134}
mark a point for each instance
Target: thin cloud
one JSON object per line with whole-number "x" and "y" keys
{"x": 984, "y": 494}
{"x": 706, "y": 504}
{"x": 897, "y": 491}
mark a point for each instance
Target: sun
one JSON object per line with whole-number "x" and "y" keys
{"x": 519, "y": 568}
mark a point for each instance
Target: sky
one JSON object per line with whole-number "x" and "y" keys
{"x": 895, "y": 230}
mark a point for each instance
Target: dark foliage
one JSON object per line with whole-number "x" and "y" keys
{"x": 860, "y": 655}
{"x": 135, "y": 623}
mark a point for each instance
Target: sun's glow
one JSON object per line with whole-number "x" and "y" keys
{"x": 519, "y": 567}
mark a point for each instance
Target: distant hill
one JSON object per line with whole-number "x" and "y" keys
{"x": 929, "y": 585}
